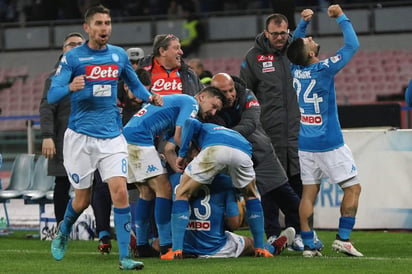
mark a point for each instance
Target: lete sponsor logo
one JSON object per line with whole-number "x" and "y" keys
{"x": 102, "y": 72}
{"x": 264, "y": 58}
{"x": 253, "y": 103}
{"x": 161, "y": 85}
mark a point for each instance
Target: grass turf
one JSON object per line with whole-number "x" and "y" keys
{"x": 385, "y": 252}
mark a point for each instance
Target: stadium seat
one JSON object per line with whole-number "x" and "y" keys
{"x": 20, "y": 177}
{"x": 20, "y": 180}
{"x": 41, "y": 183}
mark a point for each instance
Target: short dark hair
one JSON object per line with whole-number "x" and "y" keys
{"x": 162, "y": 41}
{"x": 144, "y": 76}
{"x": 73, "y": 34}
{"x": 277, "y": 18}
{"x": 93, "y": 10}
{"x": 296, "y": 52}
{"x": 214, "y": 92}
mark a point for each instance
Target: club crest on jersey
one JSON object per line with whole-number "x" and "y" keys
{"x": 198, "y": 225}
{"x": 102, "y": 72}
{"x": 311, "y": 120}
{"x": 263, "y": 58}
{"x": 115, "y": 57}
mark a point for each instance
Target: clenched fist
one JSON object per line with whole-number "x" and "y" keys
{"x": 334, "y": 11}
{"x": 307, "y": 14}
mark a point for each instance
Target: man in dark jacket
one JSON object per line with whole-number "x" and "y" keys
{"x": 266, "y": 71}
{"x": 242, "y": 114}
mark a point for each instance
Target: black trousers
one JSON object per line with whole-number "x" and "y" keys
{"x": 285, "y": 199}
{"x": 60, "y": 196}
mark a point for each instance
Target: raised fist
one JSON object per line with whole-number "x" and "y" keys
{"x": 307, "y": 14}
{"x": 334, "y": 11}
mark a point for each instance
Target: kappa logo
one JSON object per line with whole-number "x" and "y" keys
{"x": 254, "y": 216}
{"x": 151, "y": 168}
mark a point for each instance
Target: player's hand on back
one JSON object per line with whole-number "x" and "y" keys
{"x": 180, "y": 164}
{"x": 156, "y": 99}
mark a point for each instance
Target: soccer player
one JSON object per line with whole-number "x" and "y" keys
{"x": 145, "y": 166}
{"x": 93, "y": 140}
{"x": 322, "y": 151}
{"x": 242, "y": 114}
{"x": 214, "y": 211}
{"x": 221, "y": 150}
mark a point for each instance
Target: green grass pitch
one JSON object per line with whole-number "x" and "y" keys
{"x": 385, "y": 252}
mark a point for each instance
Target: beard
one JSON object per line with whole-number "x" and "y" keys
{"x": 317, "y": 50}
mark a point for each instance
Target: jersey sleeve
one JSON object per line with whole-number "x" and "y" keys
{"x": 129, "y": 76}
{"x": 300, "y": 31}
{"x": 190, "y": 128}
{"x": 189, "y": 109}
{"x": 351, "y": 44}
{"x": 60, "y": 81}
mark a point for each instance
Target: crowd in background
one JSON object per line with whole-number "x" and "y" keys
{"x": 39, "y": 10}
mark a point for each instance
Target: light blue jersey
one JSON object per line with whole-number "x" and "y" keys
{"x": 315, "y": 87}
{"x": 152, "y": 121}
{"x": 205, "y": 233}
{"x": 94, "y": 111}
{"x": 207, "y": 134}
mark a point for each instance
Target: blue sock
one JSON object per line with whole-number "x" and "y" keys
{"x": 142, "y": 219}
{"x": 122, "y": 226}
{"x": 346, "y": 225}
{"x": 163, "y": 211}
{"x": 307, "y": 238}
{"x": 180, "y": 219}
{"x": 103, "y": 233}
{"x": 270, "y": 247}
{"x": 254, "y": 217}
{"x": 70, "y": 217}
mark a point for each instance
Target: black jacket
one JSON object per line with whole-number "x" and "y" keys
{"x": 267, "y": 72}
{"x": 243, "y": 117}
{"x": 53, "y": 123}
